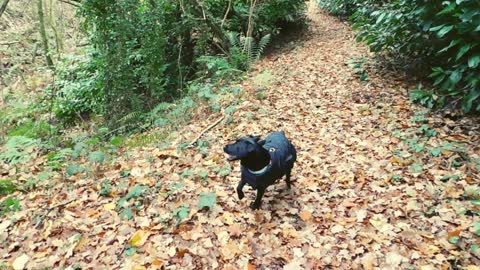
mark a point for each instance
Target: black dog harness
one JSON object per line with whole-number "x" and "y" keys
{"x": 282, "y": 156}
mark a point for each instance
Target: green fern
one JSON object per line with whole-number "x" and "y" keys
{"x": 262, "y": 44}
{"x": 18, "y": 149}
{"x": 246, "y": 48}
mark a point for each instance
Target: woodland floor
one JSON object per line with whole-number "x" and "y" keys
{"x": 379, "y": 183}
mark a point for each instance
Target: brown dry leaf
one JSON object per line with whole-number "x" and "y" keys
{"x": 294, "y": 265}
{"x": 368, "y": 261}
{"x": 394, "y": 259}
{"x": 235, "y": 230}
{"x": 181, "y": 253}
{"x": 305, "y": 215}
{"x": 20, "y": 262}
{"x": 229, "y": 268}
{"x": 157, "y": 263}
{"x": 455, "y": 233}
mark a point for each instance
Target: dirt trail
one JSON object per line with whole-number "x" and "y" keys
{"x": 362, "y": 199}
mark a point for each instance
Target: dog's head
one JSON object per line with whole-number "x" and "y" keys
{"x": 243, "y": 147}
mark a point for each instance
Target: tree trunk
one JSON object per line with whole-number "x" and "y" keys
{"x": 53, "y": 25}
{"x": 3, "y": 7}
{"x": 43, "y": 34}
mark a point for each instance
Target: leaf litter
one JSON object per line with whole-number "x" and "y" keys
{"x": 379, "y": 182}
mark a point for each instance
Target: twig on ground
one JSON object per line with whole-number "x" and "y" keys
{"x": 9, "y": 43}
{"x": 192, "y": 144}
{"x": 42, "y": 218}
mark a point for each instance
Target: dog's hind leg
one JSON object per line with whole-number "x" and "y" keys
{"x": 258, "y": 200}
{"x": 240, "y": 189}
{"x": 287, "y": 179}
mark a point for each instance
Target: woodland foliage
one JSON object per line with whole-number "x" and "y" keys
{"x": 443, "y": 35}
{"x": 147, "y": 52}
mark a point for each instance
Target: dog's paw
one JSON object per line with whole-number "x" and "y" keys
{"x": 254, "y": 206}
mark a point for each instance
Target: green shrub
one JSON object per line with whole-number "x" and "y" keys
{"x": 148, "y": 51}
{"x": 6, "y": 186}
{"x": 18, "y": 149}
{"x": 442, "y": 35}
{"x": 342, "y": 8}
{"x": 10, "y": 204}
{"x": 31, "y": 129}
{"x": 77, "y": 91}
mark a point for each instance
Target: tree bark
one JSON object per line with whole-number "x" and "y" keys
{"x": 3, "y": 7}
{"x": 43, "y": 34}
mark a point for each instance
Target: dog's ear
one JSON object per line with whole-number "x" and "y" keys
{"x": 251, "y": 147}
{"x": 255, "y": 138}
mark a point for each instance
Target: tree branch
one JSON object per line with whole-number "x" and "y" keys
{"x": 71, "y": 2}
{"x": 3, "y": 7}
{"x": 192, "y": 144}
{"x": 226, "y": 13}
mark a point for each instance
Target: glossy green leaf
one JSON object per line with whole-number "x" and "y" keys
{"x": 463, "y": 50}
{"x": 73, "y": 169}
{"x": 181, "y": 213}
{"x": 455, "y": 77}
{"x": 96, "y": 157}
{"x": 474, "y": 61}
{"x": 207, "y": 199}
{"x": 444, "y": 30}
{"x": 454, "y": 239}
{"x": 470, "y": 98}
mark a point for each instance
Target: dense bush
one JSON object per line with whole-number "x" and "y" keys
{"x": 148, "y": 50}
{"x": 444, "y": 35}
{"x": 77, "y": 89}
{"x": 343, "y": 8}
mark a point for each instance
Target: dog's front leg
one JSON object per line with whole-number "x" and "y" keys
{"x": 287, "y": 179}
{"x": 258, "y": 200}
{"x": 240, "y": 189}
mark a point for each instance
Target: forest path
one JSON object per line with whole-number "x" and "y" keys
{"x": 371, "y": 184}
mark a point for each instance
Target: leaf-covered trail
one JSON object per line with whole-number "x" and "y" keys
{"x": 371, "y": 189}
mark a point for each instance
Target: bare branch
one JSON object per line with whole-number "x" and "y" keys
{"x": 3, "y": 7}
{"x": 71, "y": 2}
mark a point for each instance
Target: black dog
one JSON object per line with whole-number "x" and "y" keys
{"x": 262, "y": 162}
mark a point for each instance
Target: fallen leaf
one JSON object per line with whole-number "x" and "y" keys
{"x": 361, "y": 215}
{"x": 394, "y": 259}
{"x": 109, "y": 206}
{"x": 157, "y": 262}
{"x": 380, "y": 223}
{"x": 294, "y": 265}
{"x": 181, "y": 253}
{"x": 20, "y": 262}
{"x": 305, "y": 215}
{"x": 139, "y": 238}
{"x": 337, "y": 228}
{"x": 368, "y": 261}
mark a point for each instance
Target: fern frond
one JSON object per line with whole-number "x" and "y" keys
{"x": 248, "y": 45}
{"x": 234, "y": 39}
{"x": 131, "y": 116}
{"x": 262, "y": 44}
